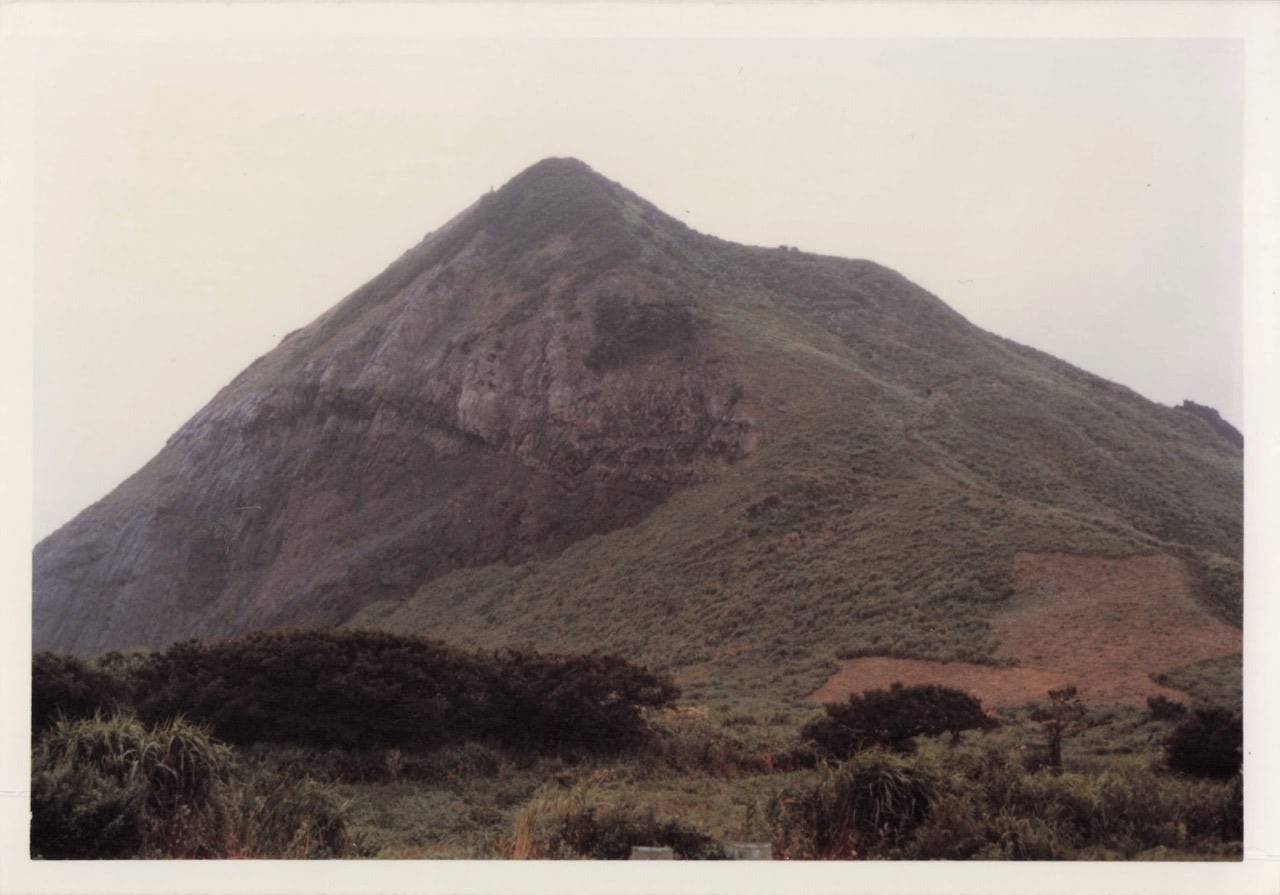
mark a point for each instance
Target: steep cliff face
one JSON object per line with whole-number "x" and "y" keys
{"x": 785, "y": 457}
{"x": 509, "y": 386}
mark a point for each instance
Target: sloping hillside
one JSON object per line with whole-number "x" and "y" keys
{"x": 566, "y": 419}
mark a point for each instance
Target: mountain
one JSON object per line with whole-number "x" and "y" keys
{"x": 565, "y": 418}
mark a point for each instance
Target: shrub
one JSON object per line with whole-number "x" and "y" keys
{"x": 327, "y": 765}
{"x": 1208, "y": 744}
{"x": 317, "y": 688}
{"x": 464, "y": 761}
{"x": 990, "y": 809}
{"x": 865, "y": 807}
{"x": 68, "y": 687}
{"x": 691, "y": 744}
{"x": 1162, "y": 708}
{"x": 893, "y": 718}
{"x": 591, "y": 702}
{"x": 112, "y": 788}
{"x": 561, "y": 822}
{"x": 78, "y": 812}
{"x": 364, "y": 690}
{"x": 1209, "y": 682}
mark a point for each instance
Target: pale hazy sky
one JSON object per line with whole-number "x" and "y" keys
{"x": 207, "y": 179}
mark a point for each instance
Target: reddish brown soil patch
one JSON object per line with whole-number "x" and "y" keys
{"x": 1102, "y": 624}
{"x": 993, "y": 685}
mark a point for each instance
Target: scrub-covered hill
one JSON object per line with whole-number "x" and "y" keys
{"x": 565, "y": 419}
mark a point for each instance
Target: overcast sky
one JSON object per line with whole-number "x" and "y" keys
{"x": 207, "y": 180}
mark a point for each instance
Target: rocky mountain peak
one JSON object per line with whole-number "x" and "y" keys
{"x": 509, "y": 386}
{"x": 563, "y": 410}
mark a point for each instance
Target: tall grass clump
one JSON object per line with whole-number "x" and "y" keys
{"x": 577, "y": 822}
{"x": 110, "y": 787}
{"x": 865, "y": 807}
{"x": 113, "y": 787}
{"x": 282, "y": 817}
{"x": 538, "y": 820}
{"x": 691, "y": 744}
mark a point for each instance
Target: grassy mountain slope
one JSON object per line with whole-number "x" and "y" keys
{"x": 905, "y": 457}
{"x": 566, "y": 419}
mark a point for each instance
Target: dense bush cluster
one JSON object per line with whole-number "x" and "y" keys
{"x": 991, "y": 808}
{"x": 317, "y": 688}
{"x": 593, "y": 702}
{"x": 71, "y": 688}
{"x": 981, "y": 804}
{"x": 365, "y": 690}
{"x": 893, "y": 718}
{"x": 582, "y": 821}
{"x": 1208, "y": 744}
{"x": 117, "y": 772}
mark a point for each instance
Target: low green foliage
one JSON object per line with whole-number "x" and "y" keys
{"x": 567, "y": 823}
{"x": 993, "y": 809}
{"x": 110, "y": 787}
{"x": 1211, "y": 682}
{"x": 1219, "y": 582}
{"x": 279, "y": 816}
{"x": 866, "y": 805}
{"x": 691, "y": 744}
{"x": 694, "y": 776}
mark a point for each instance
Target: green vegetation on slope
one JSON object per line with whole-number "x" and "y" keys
{"x": 821, "y": 545}
{"x": 1218, "y": 681}
{"x": 492, "y": 396}
{"x": 364, "y": 690}
{"x": 906, "y": 457}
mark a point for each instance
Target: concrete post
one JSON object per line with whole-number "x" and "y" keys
{"x": 652, "y": 853}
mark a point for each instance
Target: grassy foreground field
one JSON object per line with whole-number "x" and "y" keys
{"x": 622, "y": 762}
{"x": 991, "y": 797}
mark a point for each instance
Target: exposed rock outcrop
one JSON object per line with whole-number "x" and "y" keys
{"x": 566, "y": 417}
{"x": 507, "y": 387}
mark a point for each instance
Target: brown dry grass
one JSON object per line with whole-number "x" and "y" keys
{"x": 1102, "y": 624}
